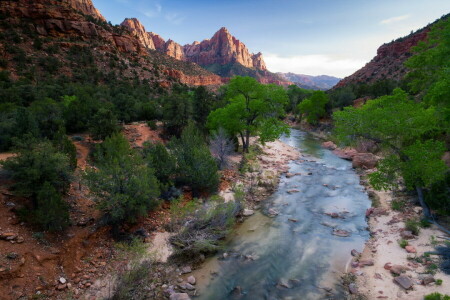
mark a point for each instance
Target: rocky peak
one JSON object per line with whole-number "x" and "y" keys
{"x": 86, "y": 7}
{"x": 136, "y": 28}
{"x": 174, "y": 50}
{"x": 158, "y": 41}
{"x": 258, "y": 61}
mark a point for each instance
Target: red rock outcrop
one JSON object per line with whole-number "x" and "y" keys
{"x": 195, "y": 80}
{"x": 174, "y": 50}
{"x": 223, "y": 48}
{"x": 136, "y": 28}
{"x": 86, "y": 7}
{"x": 158, "y": 41}
{"x": 388, "y": 63}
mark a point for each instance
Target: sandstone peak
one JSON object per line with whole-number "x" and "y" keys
{"x": 136, "y": 28}
{"x": 86, "y": 7}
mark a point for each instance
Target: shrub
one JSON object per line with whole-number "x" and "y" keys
{"x": 438, "y": 281}
{"x": 403, "y": 243}
{"x": 436, "y": 296}
{"x": 413, "y": 226}
{"x": 397, "y": 205}
{"x": 152, "y": 125}
{"x": 103, "y": 124}
{"x": 163, "y": 162}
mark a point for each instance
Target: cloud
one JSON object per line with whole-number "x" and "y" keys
{"x": 153, "y": 12}
{"x": 174, "y": 18}
{"x": 394, "y": 19}
{"x": 315, "y": 64}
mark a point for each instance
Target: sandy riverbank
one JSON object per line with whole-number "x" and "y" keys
{"x": 383, "y": 250}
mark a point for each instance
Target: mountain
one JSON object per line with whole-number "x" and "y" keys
{"x": 74, "y": 28}
{"x": 322, "y": 82}
{"x": 390, "y": 59}
{"x": 223, "y": 54}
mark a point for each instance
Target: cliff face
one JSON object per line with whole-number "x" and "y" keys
{"x": 388, "y": 63}
{"x": 65, "y": 24}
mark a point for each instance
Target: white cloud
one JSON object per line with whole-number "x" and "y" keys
{"x": 154, "y": 12}
{"x": 316, "y": 64}
{"x": 175, "y": 18}
{"x": 394, "y": 19}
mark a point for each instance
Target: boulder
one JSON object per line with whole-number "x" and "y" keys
{"x": 426, "y": 278}
{"x": 364, "y": 160}
{"x": 248, "y": 212}
{"x": 407, "y": 235}
{"x": 353, "y": 289}
{"x": 404, "y": 281}
{"x": 345, "y": 153}
{"x": 191, "y": 280}
{"x": 180, "y": 296}
{"x": 410, "y": 249}
{"x": 366, "y": 263}
{"x": 398, "y": 269}
{"x": 355, "y": 253}
{"x": 341, "y": 232}
{"x": 329, "y": 145}
{"x": 186, "y": 270}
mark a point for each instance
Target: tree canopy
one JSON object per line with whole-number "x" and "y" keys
{"x": 252, "y": 109}
{"x": 313, "y": 107}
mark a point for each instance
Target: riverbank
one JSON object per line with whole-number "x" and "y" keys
{"x": 388, "y": 271}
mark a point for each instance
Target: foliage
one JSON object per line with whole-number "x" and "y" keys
{"x": 195, "y": 165}
{"x": 52, "y": 212}
{"x": 253, "y": 109}
{"x": 202, "y": 104}
{"x": 403, "y": 243}
{"x": 436, "y": 296}
{"x": 103, "y": 124}
{"x": 413, "y": 226}
{"x": 124, "y": 186}
{"x": 296, "y": 95}
{"x": 37, "y": 163}
{"x": 162, "y": 161}
{"x": 313, "y": 107}
{"x": 177, "y": 111}
{"x": 397, "y": 205}
{"x": 398, "y": 125}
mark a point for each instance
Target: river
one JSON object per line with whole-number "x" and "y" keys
{"x": 294, "y": 255}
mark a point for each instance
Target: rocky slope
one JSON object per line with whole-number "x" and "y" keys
{"x": 322, "y": 82}
{"x": 223, "y": 54}
{"x": 388, "y": 63}
{"x": 69, "y": 24}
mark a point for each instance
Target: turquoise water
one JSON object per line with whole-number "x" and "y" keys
{"x": 295, "y": 255}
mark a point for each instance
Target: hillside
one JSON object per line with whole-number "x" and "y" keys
{"x": 321, "y": 82}
{"x": 54, "y": 38}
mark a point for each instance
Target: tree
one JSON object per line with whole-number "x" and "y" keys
{"x": 296, "y": 95}
{"x": 314, "y": 107}
{"x": 162, "y": 161}
{"x": 122, "y": 184}
{"x": 177, "y": 111}
{"x": 406, "y": 131}
{"x": 202, "y": 104}
{"x": 195, "y": 165}
{"x": 36, "y": 163}
{"x": 221, "y": 147}
{"x": 253, "y": 109}
{"x": 103, "y": 124}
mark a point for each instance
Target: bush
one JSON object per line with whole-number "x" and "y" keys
{"x": 152, "y": 125}
{"x": 163, "y": 162}
{"x": 196, "y": 166}
{"x": 403, "y": 243}
{"x": 413, "y": 226}
{"x": 397, "y": 205}
{"x": 436, "y": 296}
{"x": 438, "y": 281}
{"x": 52, "y": 212}
{"x": 103, "y": 124}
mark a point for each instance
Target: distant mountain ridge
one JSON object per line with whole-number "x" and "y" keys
{"x": 321, "y": 82}
{"x": 223, "y": 54}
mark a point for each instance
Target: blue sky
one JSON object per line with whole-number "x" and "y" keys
{"x": 332, "y": 37}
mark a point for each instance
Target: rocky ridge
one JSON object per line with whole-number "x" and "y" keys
{"x": 321, "y": 82}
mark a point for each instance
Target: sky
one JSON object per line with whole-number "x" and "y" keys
{"x": 313, "y": 37}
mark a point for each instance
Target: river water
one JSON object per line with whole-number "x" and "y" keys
{"x": 294, "y": 255}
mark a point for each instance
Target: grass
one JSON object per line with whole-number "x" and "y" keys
{"x": 135, "y": 248}
{"x": 397, "y": 205}
{"x": 438, "y": 281}
{"x": 413, "y": 225}
{"x": 436, "y": 296}
{"x": 403, "y": 243}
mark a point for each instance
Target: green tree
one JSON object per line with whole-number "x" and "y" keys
{"x": 53, "y": 212}
{"x": 406, "y": 131}
{"x": 253, "y": 109}
{"x": 36, "y": 163}
{"x": 314, "y": 107}
{"x": 202, "y": 103}
{"x": 296, "y": 95}
{"x": 196, "y": 166}
{"x": 162, "y": 161}
{"x": 123, "y": 185}
{"x": 103, "y": 124}
{"x": 177, "y": 111}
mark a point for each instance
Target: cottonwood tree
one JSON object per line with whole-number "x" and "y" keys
{"x": 253, "y": 109}
{"x": 405, "y": 130}
{"x": 313, "y": 107}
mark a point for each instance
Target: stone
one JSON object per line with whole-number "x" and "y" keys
{"x": 364, "y": 160}
{"x": 398, "y": 269}
{"x": 341, "y": 233}
{"x": 352, "y": 288}
{"x": 426, "y": 279}
{"x": 404, "y": 281}
{"x": 186, "y": 270}
{"x": 272, "y": 212}
{"x": 293, "y": 220}
{"x": 355, "y": 253}
{"x": 366, "y": 263}
{"x": 410, "y": 249}
{"x": 237, "y": 291}
{"x": 61, "y": 287}
{"x": 248, "y": 212}
{"x": 293, "y": 191}
{"x": 186, "y": 286}
{"x": 329, "y": 145}
{"x": 180, "y": 296}
{"x": 407, "y": 235}
{"x": 387, "y": 266}
{"x": 191, "y": 280}
{"x": 284, "y": 284}
{"x": 62, "y": 280}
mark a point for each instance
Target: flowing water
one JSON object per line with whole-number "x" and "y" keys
{"x": 295, "y": 255}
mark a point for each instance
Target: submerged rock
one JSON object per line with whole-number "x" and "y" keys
{"x": 404, "y": 281}
{"x": 248, "y": 212}
{"x": 180, "y": 296}
{"x": 341, "y": 232}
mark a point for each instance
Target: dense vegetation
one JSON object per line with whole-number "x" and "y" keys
{"x": 411, "y": 126}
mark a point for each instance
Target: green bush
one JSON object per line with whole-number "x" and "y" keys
{"x": 438, "y": 281}
{"x": 103, "y": 124}
{"x": 162, "y": 161}
{"x": 403, "y": 243}
{"x": 413, "y": 226}
{"x": 436, "y": 296}
{"x": 397, "y": 205}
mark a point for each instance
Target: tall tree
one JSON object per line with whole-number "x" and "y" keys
{"x": 314, "y": 106}
{"x": 253, "y": 109}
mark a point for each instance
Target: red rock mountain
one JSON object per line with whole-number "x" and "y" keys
{"x": 388, "y": 63}
{"x": 77, "y": 23}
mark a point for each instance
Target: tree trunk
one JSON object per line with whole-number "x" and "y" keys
{"x": 247, "y": 140}
{"x": 426, "y": 210}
